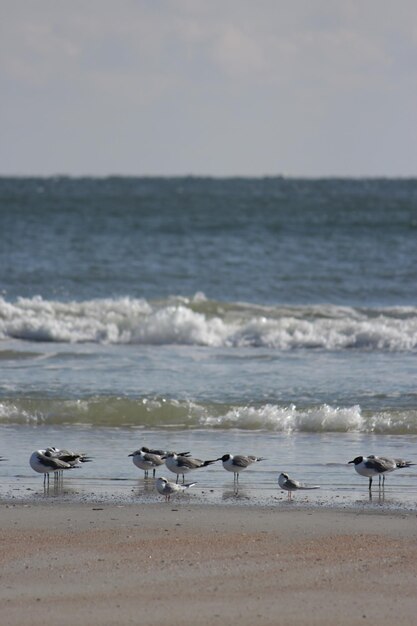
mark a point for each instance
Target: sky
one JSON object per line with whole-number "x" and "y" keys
{"x": 208, "y": 87}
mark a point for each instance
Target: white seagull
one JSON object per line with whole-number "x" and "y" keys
{"x": 44, "y": 463}
{"x": 180, "y": 464}
{"x": 74, "y": 459}
{"x": 147, "y": 460}
{"x": 167, "y": 488}
{"x": 237, "y": 463}
{"x": 372, "y": 465}
{"x": 290, "y": 484}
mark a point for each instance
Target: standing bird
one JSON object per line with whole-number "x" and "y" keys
{"x": 44, "y": 463}
{"x": 167, "y": 488}
{"x": 372, "y": 465}
{"x": 147, "y": 460}
{"x": 74, "y": 459}
{"x": 237, "y": 463}
{"x": 290, "y": 484}
{"x": 180, "y": 464}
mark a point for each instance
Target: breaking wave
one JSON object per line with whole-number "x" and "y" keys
{"x": 175, "y": 414}
{"x": 202, "y": 322}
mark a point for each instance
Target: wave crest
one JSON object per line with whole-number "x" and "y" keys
{"x": 178, "y": 414}
{"x": 198, "y": 321}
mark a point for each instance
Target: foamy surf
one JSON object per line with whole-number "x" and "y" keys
{"x": 201, "y": 322}
{"x": 162, "y": 413}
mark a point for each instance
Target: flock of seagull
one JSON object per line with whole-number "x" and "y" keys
{"x": 56, "y": 461}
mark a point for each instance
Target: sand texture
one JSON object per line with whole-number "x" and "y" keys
{"x": 176, "y": 563}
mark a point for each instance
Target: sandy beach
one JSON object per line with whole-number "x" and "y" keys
{"x": 177, "y": 563}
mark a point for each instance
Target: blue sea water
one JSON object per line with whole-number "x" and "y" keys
{"x": 274, "y": 316}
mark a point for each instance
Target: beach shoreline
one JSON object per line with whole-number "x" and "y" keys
{"x": 182, "y": 563}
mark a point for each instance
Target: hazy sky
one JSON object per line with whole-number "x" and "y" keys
{"x": 211, "y": 87}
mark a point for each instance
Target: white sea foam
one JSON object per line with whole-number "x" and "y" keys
{"x": 291, "y": 419}
{"x": 317, "y": 419}
{"x": 163, "y": 413}
{"x": 201, "y": 322}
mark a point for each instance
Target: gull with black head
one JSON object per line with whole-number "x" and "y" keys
{"x": 147, "y": 460}
{"x": 372, "y": 465}
{"x": 237, "y": 463}
{"x": 180, "y": 464}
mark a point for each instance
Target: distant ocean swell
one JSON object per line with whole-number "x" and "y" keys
{"x": 164, "y": 413}
{"x": 202, "y": 322}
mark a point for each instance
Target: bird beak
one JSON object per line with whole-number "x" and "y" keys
{"x": 350, "y": 462}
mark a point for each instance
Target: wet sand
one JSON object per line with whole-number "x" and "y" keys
{"x": 181, "y": 563}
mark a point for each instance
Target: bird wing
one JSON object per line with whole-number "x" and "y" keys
{"x": 290, "y": 483}
{"x": 242, "y": 461}
{"x": 152, "y": 458}
{"x": 303, "y": 486}
{"x": 184, "y": 461}
{"x": 53, "y": 462}
{"x": 380, "y": 464}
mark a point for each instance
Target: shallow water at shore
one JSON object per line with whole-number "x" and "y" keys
{"x": 270, "y": 317}
{"x": 310, "y": 457}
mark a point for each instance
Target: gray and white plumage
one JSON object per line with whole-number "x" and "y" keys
{"x": 147, "y": 460}
{"x": 162, "y": 453}
{"x": 290, "y": 484}
{"x": 55, "y": 460}
{"x": 74, "y": 459}
{"x": 167, "y": 488}
{"x": 42, "y": 462}
{"x": 372, "y": 465}
{"x": 180, "y": 464}
{"x": 236, "y": 463}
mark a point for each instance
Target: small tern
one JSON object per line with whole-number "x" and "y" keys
{"x": 290, "y": 484}
{"x": 167, "y": 488}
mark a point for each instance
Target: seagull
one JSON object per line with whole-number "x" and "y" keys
{"x": 147, "y": 460}
{"x": 237, "y": 463}
{"x": 45, "y": 464}
{"x": 74, "y": 459}
{"x": 372, "y": 465}
{"x": 180, "y": 464}
{"x": 290, "y": 484}
{"x": 167, "y": 488}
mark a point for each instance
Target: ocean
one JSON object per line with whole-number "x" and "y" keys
{"x": 267, "y": 316}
